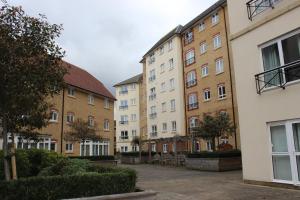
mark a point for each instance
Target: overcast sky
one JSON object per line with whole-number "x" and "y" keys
{"x": 109, "y": 37}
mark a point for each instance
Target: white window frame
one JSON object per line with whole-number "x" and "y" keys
{"x": 171, "y": 64}
{"x": 69, "y": 147}
{"x": 170, "y": 45}
{"x": 174, "y": 126}
{"x": 206, "y": 94}
{"x": 165, "y": 148}
{"x": 173, "y": 105}
{"x": 215, "y": 19}
{"x": 204, "y": 70}
{"x": 91, "y": 121}
{"x": 133, "y": 101}
{"x": 106, "y": 103}
{"x": 70, "y": 117}
{"x": 221, "y": 94}
{"x": 219, "y": 65}
{"x": 52, "y": 118}
{"x": 217, "y": 41}
{"x": 162, "y": 68}
{"x": 203, "y": 47}
{"x": 172, "y": 84}
{"x": 133, "y": 117}
{"x": 91, "y": 99}
{"x": 71, "y": 91}
{"x": 164, "y": 107}
{"x": 164, "y": 127}
{"x": 201, "y": 26}
{"x": 106, "y": 125}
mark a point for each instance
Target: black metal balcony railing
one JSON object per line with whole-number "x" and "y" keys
{"x": 152, "y": 78}
{"x": 123, "y": 122}
{"x": 125, "y": 137}
{"x": 192, "y": 106}
{"x": 153, "y": 134}
{"x": 153, "y": 115}
{"x": 123, "y": 92}
{"x": 123, "y": 107}
{"x": 191, "y": 83}
{"x": 190, "y": 61}
{"x": 255, "y": 7}
{"x": 152, "y": 96}
{"x": 278, "y": 77}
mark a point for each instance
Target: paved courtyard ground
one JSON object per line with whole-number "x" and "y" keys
{"x": 182, "y": 184}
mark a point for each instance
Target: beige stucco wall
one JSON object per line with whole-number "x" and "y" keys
{"x": 255, "y": 111}
{"x": 177, "y": 94}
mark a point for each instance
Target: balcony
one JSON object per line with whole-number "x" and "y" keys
{"x": 125, "y": 137}
{"x": 192, "y": 106}
{"x": 278, "y": 77}
{"x": 123, "y": 122}
{"x": 191, "y": 83}
{"x": 125, "y": 107}
{"x": 153, "y": 115}
{"x": 152, "y": 78}
{"x": 153, "y": 134}
{"x": 123, "y": 92}
{"x": 189, "y": 61}
{"x": 255, "y": 7}
{"x": 152, "y": 97}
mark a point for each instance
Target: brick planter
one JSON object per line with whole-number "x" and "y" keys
{"x": 214, "y": 164}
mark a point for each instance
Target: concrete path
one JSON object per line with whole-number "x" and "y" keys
{"x": 182, "y": 184}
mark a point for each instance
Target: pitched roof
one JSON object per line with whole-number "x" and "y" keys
{"x": 173, "y": 32}
{"x": 203, "y": 14}
{"x": 80, "y": 78}
{"x": 135, "y": 79}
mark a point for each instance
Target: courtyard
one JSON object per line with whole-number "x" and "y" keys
{"x": 179, "y": 183}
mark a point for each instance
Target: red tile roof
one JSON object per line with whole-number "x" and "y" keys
{"x": 80, "y": 78}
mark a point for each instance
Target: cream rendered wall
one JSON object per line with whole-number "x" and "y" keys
{"x": 255, "y": 111}
{"x": 132, "y": 109}
{"x": 177, "y": 73}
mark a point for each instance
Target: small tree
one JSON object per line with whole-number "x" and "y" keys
{"x": 30, "y": 72}
{"x": 137, "y": 141}
{"x": 214, "y": 127}
{"x": 81, "y": 132}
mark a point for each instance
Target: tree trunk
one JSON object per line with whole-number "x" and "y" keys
{"x": 13, "y": 158}
{"x": 83, "y": 149}
{"x": 5, "y": 151}
{"x": 140, "y": 149}
{"x": 213, "y": 142}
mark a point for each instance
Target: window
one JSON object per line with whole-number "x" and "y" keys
{"x": 203, "y": 47}
{"x": 123, "y": 89}
{"x": 123, "y": 105}
{"x": 204, "y": 70}
{"x": 132, "y": 86}
{"x": 193, "y": 101}
{"x": 219, "y": 65}
{"x": 152, "y": 95}
{"x": 201, "y": 26}
{"x": 217, "y": 41}
{"x": 173, "y": 106}
{"x": 208, "y": 146}
{"x": 106, "y": 125}
{"x": 174, "y": 128}
{"x": 53, "y": 116}
{"x": 162, "y": 68}
{"x": 161, "y": 50}
{"x": 91, "y": 99}
{"x": 91, "y": 121}
{"x": 215, "y": 18}
{"x": 124, "y": 135}
{"x": 191, "y": 79}
{"x": 221, "y": 91}
{"x": 151, "y": 58}
{"x": 206, "y": 94}
{"x": 172, "y": 84}
{"x": 171, "y": 64}
{"x": 190, "y": 57}
{"x": 133, "y": 117}
{"x": 69, "y": 147}
{"x": 163, "y": 87}
{"x": 153, "y": 113}
{"x": 164, "y": 107}
{"x": 133, "y": 102}
{"x": 170, "y": 45}
{"x": 133, "y": 132}
{"x": 165, "y": 148}
{"x": 134, "y": 148}
{"x": 188, "y": 37}
{"x": 164, "y": 127}
{"x": 124, "y": 149}
{"x": 154, "y": 131}
{"x": 106, "y": 103}
{"x": 70, "y": 117}
{"x": 124, "y": 119}
{"x": 152, "y": 76}
{"x": 71, "y": 91}
{"x": 153, "y": 147}
{"x": 193, "y": 122}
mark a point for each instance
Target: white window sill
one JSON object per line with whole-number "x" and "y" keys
{"x": 71, "y": 96}
{"x": 206, "y": 100}
{"x": 203, "y": 76}
{"x": 219, "y": 73}
{"x": 91, "y": 104}
{"x": 216, "y": 48}
{"x": 69, "y": 151}
{"x": 221, "y": 99}
{"x": 53, "y": 121}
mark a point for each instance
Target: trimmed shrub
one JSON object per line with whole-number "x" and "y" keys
{"x": 74, "y": 186}
{"x": 137, "y": 154}
{"x": 93, "y": 158}
{"x": 217, "y": 154}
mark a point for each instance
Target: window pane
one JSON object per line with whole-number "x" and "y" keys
{"x": 282, "y": 168}
{"x": 298, "y": 166}
{"x": 296, "y": 133}
{"x": 291, "y": 49}
{"x": 279, "y": 140}
{"x": 270, "y": 61}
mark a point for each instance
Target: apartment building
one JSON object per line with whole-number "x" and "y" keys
{"x": 164, "y": 89}
{"x": 84, "y": 97}
{"x": 209, "y": 85}
{"x": 265, "y": 38}
{"x": 127, "y": 113}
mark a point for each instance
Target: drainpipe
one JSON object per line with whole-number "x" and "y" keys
{"x": 230, "y": 75}
{"x": 62, "y": 121}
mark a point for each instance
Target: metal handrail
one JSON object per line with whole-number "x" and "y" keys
{"x": 252, "y": 4}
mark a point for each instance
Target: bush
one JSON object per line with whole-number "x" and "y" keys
{"x": 137, "y": 154}
{"x": 93, "y": 158}
{"x": 217, "y": 154}
{"x": 75, "y": 186}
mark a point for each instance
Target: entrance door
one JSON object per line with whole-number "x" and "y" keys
{"x": 285, "y": 138}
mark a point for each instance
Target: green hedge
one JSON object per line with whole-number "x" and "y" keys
{"x": 136, "y": 154}
{"x": 75, "y": 186}
{"x": 93, "y": 158}
{"x": 217, "y": 154}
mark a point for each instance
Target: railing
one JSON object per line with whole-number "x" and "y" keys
{"x": 123, "y": 122}
{"x": 278, "y": 77}
{"x": 153, "y": 134}
{"x": 123, "y": 92}
{"x": 255, "y": 7}
{"x": 153, "y": 115}
{"x": 152, "y": 78}
{"x": 191, "y": 83}
{"x": 123, "y": 137}
{"x": 123, "y": 107}
{"x": 190, "y": 61}
{"x": 188, "y": 40}
{"x": 152, "y": 97}
{"x": 192, "y": 106}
